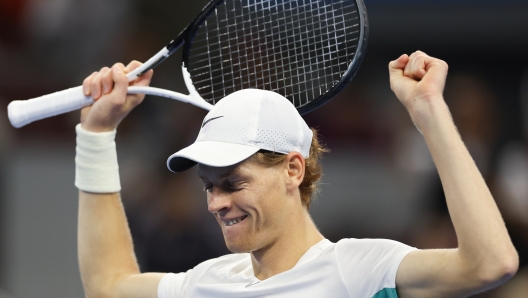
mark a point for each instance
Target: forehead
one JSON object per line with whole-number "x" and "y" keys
{"x": 245, "y": 166}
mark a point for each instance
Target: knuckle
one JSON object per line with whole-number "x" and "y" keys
{"x": 89, "y": 78}
{"x": 94, "y": 84}
{"x": 120, "y": 102}
{"x": 107, "y": 77}
{"x": 134, "y": 64}
{"x": 120, "y": 78}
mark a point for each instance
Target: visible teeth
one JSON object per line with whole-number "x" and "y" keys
{"x": 234, "y": 221}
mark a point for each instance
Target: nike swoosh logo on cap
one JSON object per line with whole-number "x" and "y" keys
{"x": 209, "y": 120}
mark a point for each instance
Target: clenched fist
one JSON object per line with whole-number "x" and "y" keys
{"x": 108, "y": 87}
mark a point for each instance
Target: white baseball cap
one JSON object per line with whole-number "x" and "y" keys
{"x": 241, "y": 124}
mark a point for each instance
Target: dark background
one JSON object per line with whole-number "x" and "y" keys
{"x": 379, "y": 179}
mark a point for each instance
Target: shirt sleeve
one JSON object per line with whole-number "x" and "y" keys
{"x": 172, "y": 285}
{"x": 369, "y": 266}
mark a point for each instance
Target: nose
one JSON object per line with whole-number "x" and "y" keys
{"x": 218, "y": 200}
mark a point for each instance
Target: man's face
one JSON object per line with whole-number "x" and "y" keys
{"x": 247, "y": 200}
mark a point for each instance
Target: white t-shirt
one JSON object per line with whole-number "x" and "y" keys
{"x": 361, "y": 268}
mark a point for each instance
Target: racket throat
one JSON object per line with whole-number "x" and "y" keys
{"x": 176, "y": 43}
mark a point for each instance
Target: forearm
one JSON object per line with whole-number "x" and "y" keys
{"x": 483, "y": 240}
{"x": 485, "y": 256}
{"x": 106, "y": 253}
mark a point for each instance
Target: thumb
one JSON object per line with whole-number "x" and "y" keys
{"x": 397, "y": 66}
{"x": 396, "y": 69}
{"x": 400, "y": 84}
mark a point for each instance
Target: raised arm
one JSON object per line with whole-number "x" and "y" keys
{"x": 106, "y": 254}
{"x": 485, "y": 257}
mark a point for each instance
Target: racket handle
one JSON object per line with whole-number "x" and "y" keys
{"x": 23, "y": 112}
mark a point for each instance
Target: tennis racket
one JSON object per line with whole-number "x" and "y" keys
{"x": 305, "y": 50}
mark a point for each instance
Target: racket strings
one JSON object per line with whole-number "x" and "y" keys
{"x": 288, "y": 43}
{"x": 280, "y": 81}
{"x": 243, "y": 59}
{"x": 300, "y": 64}
{"x": 287, "y": 72}
{"x": 299, "y": 49}
{"x": 259, "y": 45}
{"x": 272, "y": 25}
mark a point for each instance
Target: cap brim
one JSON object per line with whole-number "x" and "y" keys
{"x": 210, "y": 153}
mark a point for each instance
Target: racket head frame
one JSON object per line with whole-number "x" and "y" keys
{"x": 186, "y": 38}
{"x": 183, "y": 38}
{"x": 353, "y": 67}
{"x": 347, "y": 77}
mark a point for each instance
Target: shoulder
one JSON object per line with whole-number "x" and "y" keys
{"x": 370, "y": 264}
{"x": 368, "y": 244}
{"x": 361, "y": 251}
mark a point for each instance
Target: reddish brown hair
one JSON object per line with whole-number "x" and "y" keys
{"x": 313, "y": 170}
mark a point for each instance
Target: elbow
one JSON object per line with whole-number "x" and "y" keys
{"x": 102, "y": 286}
{"x": 500, "y": 270}
{"x": 98, "y": 291}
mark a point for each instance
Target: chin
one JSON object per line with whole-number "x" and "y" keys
{"x": 237, "y": 247}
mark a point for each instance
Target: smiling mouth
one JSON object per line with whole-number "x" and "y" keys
{"x": 234, "y": 221}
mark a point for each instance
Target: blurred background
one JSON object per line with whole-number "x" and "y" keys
{"x": 379, "y": 179}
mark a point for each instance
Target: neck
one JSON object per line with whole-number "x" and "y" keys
{"x": 285, "y": 252}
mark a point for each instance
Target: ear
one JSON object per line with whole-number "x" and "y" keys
{"x": 295, "y": 167}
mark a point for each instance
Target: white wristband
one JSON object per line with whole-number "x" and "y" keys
{"x": 96, "y": 168}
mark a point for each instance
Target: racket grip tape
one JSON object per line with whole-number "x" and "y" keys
{"x": 23, "y": 112}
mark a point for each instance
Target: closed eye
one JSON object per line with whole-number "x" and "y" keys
{"x": 236, "y": 185}
{"x": 226, "y": 185}
{"x": 208, "y": 187}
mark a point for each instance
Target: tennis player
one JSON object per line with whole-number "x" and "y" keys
{"x": 259, "y": 164}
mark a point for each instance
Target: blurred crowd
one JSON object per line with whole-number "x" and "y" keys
{"x": 378, "y": 160}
